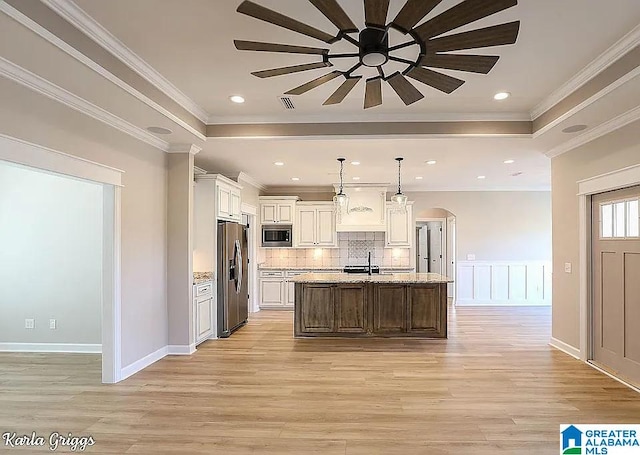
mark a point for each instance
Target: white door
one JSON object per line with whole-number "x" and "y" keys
{"x": 435, "y": 247}
{"x": 224, "y": 202}
{"x": 272, "y": 292}
{"x": 398, "y": 230}
{"x": 268, "y": 213}
{"x": 306, "y": 227}
{"x": 326, "y": 233}
{"x": 285, "y": 213}
{"x": 235, "y": 204}
{"x": 423, "y": 250}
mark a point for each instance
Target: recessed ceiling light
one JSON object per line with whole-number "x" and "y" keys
{"x": 237, "y": 99}
{"x": 356, "y": 163}
{"x": 501, "y": 96}
{"x": 575, "y": 129}
{"x": 431, "y": 162}
{"x": 509, "y": 161}
{"x": 158, "y": 130}
{"x": 295, "y": 179}
{"x": 279, "y": 163}
{"x": 418, "y": 178}
{"x": 356, "y": 178}
{"x": 481, "y": 177}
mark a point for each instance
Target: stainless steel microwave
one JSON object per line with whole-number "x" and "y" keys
{"x": 277, "y": 236}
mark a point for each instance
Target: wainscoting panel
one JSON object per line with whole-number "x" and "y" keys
{"x": 503, "y": 283}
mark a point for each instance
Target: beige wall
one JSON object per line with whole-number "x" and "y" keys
{"x": 615, "y": 151}
{"x": 249, "y": 193}
{"x": 494, "y": 225}
{"x": 144, "y": 211}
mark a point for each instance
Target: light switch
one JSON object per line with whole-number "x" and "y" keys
{"x": 29, "y": 323}
{"x": 567, "y": 267}
{"x": 52, "y": 324}
{"x": 471, "y": 257}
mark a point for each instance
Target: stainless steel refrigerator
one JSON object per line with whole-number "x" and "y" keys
{"x": 233, "y": 291}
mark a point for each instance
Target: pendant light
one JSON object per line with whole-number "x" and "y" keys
{"x": 341, "y": 200}
{"x": 399, "y": 199}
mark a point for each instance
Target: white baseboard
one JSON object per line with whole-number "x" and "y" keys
{"x": 566, "y": 348}
{"x": 472, "y": 302}
{"x": 143, "y": 363}
{"x": 621, "y": 381}
{"x": 67, "y": 348}
{"x": 178, "y": 349}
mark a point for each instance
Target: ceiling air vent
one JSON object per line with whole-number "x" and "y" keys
{"x": 286, "y": 102}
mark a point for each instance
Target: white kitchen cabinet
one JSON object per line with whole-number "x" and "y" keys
{"x": 280, "y": 210}
{"x": 202, "y": 311}
{"x": 228, "y": 198}
{"x": 315, "y": 225}
{"x": 277, "y": 291}
{"x": 399, "y": 232}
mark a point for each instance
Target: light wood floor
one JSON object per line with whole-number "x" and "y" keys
{"x": 495, "y": 387}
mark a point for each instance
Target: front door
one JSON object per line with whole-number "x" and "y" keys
{"x": 616, "y": 282}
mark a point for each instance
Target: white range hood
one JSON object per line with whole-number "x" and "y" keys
{"x": 366, "y": 211}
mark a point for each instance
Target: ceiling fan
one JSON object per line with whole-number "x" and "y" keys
{"x": 374, "y": 50}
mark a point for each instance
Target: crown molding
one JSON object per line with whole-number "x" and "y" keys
{"x": 606, "y": 59}
{"x": 73, "y": 52}
{"x": 198, "y": 171}
{"x": 295, "y": 190}
{"x": 89, "y": 26}
{"x": 191, "y": 149}
{"x": 597, "y": 132}
{"x": 250, "y": 180}
{"x": 42, "y": 86}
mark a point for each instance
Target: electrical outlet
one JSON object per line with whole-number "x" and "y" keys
{"x": 52, "y": 324}
{"x": 29, "y": 323}
{"x": 567, "y": 267}
{"x": 471, "y": 257}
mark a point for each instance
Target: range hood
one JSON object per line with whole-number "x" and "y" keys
{"x": 367, "y": 208}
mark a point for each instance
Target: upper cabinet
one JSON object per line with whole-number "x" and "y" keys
{"x": 228, "y": 200}
{"x": 399, "y": 227}
{"x": 277, "y": 210}
{"x": 315, "y": 225}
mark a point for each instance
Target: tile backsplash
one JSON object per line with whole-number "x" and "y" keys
{"x": 353, "y": 249}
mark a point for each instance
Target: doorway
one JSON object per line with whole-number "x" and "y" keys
{"x": 615, "y": 253}
{"x": 37, "y": 158}
{"x": 430, "y": 250}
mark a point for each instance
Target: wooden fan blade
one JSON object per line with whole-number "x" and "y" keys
{"x": 470, "y": 63}
{"x": 464, "y": 13}
{"x": 304, "y": 88}
{"x": 496, "y": 35}
{"x": 271, "y": 47}
{"x": 405, "y": 89}
{"x": 442, "y": 82}
{"x": 343, "y": 91}
{"x": 334, "y": 12}
{"x": 291, "y": 69}
{"x": 375, "y": 13}
{"x": 373, "y": 93}
{"x": 412, "y": 12}
{"x": 275, "y": 18}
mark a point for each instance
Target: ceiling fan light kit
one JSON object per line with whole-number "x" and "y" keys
{"x": 432, "y": 37}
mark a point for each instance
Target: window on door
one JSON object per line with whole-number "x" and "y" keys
{"x": 620, "y": 219}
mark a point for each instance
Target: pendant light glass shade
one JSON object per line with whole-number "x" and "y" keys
{"x": 341, "y": 200}
{"x": 399, "y": 199}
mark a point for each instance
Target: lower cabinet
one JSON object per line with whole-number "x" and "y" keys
{"x": 371, "y": 309}
{"x": 202, "y": 312}
{"x": 276, "y": 291}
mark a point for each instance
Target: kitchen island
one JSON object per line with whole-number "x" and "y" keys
{"x": 348, "y": 305}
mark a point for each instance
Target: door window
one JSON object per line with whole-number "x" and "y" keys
{"x": 620, "y": 219}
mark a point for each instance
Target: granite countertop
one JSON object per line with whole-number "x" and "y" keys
{"x": 202, "y": 277}
{"x": 364, "y": 278}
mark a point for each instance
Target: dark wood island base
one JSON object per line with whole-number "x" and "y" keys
{"x": 404, "y": 305}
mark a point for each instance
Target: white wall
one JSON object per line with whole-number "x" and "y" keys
{"x": 50, "y": 257}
